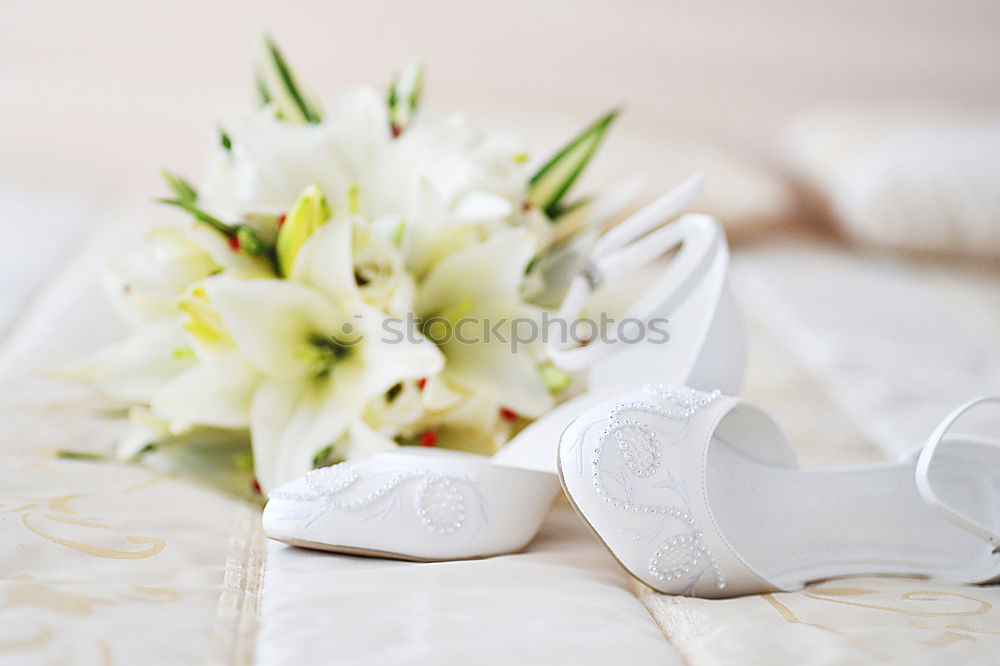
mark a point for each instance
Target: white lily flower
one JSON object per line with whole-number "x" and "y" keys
{"x": 479, "y": 286}
{"x": 380, "y": 272}
{"x": 271, "y": 161}
{"x": 358, "y": 125}
{"x": 148, "y": 287}
{"x": 320, "y": 364}
{"x": 323, "y": 260}
{"x": 453, "y": 157}
{"x": 219, "y": 391}
{"x": 216, "y": 392}
{"x": 453, "y": 184}
{"x": 144, "y": 284}
{"x": 348, "y": 259}
{"x": 136, "y": 368}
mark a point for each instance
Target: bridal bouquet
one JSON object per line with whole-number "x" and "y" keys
{"x": 308, "y": 298}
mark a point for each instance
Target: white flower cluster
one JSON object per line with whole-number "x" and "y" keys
{"x": 261, "y": 312}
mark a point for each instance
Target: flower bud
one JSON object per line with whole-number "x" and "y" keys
{"x": 307, "y": 215}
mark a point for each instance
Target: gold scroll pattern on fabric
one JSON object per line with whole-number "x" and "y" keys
{"x": 56, "y": 520}
{"x": 35, "y": 610}
{"x": 106, "y": 564}
{"x": 859, "y": 621}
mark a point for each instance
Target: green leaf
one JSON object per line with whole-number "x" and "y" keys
{"x": 263, "y": 96}
{"x": 200, "y": 215}
{"x": 562, "y": 210}
{"x": 306, "y": 216}
{"x": 146, "y": 449}
{"x": 277, "y": 85}
{"x": 321, "y": 456}
{"x": 225, "y": 141}
{"x": 404, "y": 95}
{"x": 552, "y": 181}
{"x": 393, "y": 391}
{"x": 80, "y": 455}
{"x": 326, "y": 457}
{"x": 247, "y": 239}
{"x": 250, "y": 241}
{"x": 180, "y": 187}
{"x": 244, "y": 463}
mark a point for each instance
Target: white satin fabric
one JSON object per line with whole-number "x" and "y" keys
{"x": 562, "y": 601}
{"x": 100, "y": 563}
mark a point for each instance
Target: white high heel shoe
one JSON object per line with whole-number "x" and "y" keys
{"x": 699, "y": 494}
{"x": 443, "y": 505}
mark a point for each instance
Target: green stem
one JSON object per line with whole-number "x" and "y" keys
{"x": 80, "y": 455}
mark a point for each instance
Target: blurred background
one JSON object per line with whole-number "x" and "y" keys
{"x": 98, "y": 96}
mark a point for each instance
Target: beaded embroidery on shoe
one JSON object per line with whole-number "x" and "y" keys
{"x": 439, "y": 500}
{"x": 683, "y": 556}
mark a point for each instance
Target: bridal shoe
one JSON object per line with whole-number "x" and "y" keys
{"x": 699, "y": 494}
{"x": 424, "y": 506}
{"x": 435, "y": 505}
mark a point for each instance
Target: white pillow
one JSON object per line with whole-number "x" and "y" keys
{"x": 920, "y": 181}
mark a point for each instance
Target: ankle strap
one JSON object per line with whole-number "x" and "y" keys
{"x": 664, "y": 208}
{"x": 927, "y": 454}
{"x": 632, "y": 244}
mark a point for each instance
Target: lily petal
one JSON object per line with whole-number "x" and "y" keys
{"x": 291, "y": 420}
{"x": 486, "y": 273}
{"x": 143, "y": 429}
{"x": 480, "y": 206}
{"x": 388, "y": 360}
{"x": 143, "y": 284}
{"x": 271, "y": 321}
{"x": 274, "y": 161}
{"x": 217, "y": 392}
{"x": 325, "y": 261}
{"x": 514, "y": 375}
{"x": 137, "y": 367}
{"x": 358, "y": 124}
{"x": 363, "y": 441}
